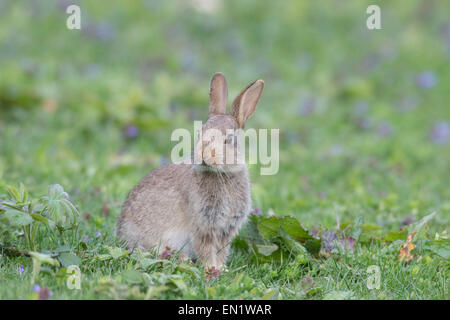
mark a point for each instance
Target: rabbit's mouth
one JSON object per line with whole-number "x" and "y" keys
{"x": 218, "y": 168}
{"x": 208, "y": 167}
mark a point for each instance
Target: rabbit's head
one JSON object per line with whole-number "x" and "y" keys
{"x": 220, "y": 146}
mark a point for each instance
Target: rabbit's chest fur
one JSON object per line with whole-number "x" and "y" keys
{"x": 224, "y": 202}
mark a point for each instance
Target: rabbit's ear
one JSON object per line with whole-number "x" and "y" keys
{"x": 218, "y": 94}
{"x": 245, "y": 103}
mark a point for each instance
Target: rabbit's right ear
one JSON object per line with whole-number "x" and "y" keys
{"x": 218, "y": 94}
{"x": 245, "y": 103}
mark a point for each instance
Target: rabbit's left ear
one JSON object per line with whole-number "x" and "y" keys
{"x": 245, "y": 103}
{"x": 218, "y": 94}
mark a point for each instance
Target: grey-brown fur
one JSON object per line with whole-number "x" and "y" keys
{"x": 195, "y": 208}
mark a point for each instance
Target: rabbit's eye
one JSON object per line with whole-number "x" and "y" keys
{"x": 229, "y": 139}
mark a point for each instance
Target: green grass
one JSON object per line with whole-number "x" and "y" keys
{"x": 355, "y": 135}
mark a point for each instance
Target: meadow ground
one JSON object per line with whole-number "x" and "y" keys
{"x": 364, "y": 123}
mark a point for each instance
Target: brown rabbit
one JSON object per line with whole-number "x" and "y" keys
{"x": 196, "y": 208}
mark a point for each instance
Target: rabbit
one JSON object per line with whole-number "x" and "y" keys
{"x": 196, "y": 208}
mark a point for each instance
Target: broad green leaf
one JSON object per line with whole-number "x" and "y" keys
{"x": 185, "y": 268}
{"x": 268, "y": 227}
{"x": 42, "y": 219}
{"x": 132, "y": 276}
{"x": 440, "y": 247}
{"x": 266, "y": 250}
{"x": 147, "y": 262}
{"x": 59, "y": 206}
{"x": 62, "y": 249}
{"x": 370, "y": 232}
{"x": 177, "y": 281}
{"x": 249, "y": 231}
{"x": 240, "y": 243}
{"x": 69, "y": 259}
{"x": 276, "y": 256}
{"x": 371, "y": 227}
{"x": 313, "y": 246}
{"x": 14, "y": 193}
{"x": 396, "y": 235}
{"x": 117, "y": 252}
{"x": 18, "y": 218}
{"x": 295, "y": 248}
{"x": 23, "y": 193}
{"x": 363, "y": 233}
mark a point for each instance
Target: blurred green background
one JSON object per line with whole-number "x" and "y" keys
{"x": 363, "y": 114}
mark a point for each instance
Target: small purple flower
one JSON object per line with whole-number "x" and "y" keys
{"x": 63, "y": 4}
{"x": 363, "y": 123}
{"x": 323, "y": 195}
{"x": 163, "y": 160}
{"x": 347, "y": 243}
{"x": 371, "y": 62}
{"x": 440, "y": 133}
{"x": 426, "y": 80}
{"x": 188, "y": 60}
{"x": 335, "y": 150}
{"x": 44, "y": 293}
{"x": 256, "y": 212}
{"x": 361, "y": 108}
{"x": 85, "y": 238}
{"x": 20, "y": 269}
{"x": 131, "y": 131}
{"x": 385, "y": 129}
{"x": 98, "y": 234}
{"x": 102, "y": 31}
{"x": 307, "y": 106}
{"x": 235, "y": 47}
{"x": 192, "y": 115}
{"x": 328, "y": 239}
{"x": 360, "y": 115}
